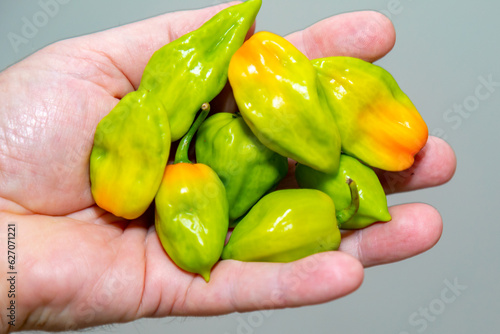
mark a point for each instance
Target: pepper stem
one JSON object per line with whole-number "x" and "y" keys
{"x": 181, "y": 155}
{"x": 346, "y": 214}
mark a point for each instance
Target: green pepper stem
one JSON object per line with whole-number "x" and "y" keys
{"x": 347, "y": 213}
{"x": 181, "y": 155}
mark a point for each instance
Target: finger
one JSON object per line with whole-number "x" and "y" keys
{"x": 130, "y": 47}
{"x": 414, "y": 228}
{"x": 434, "y": 165}
{"x": 244, "y": 286}
{"x": 366, "y": 35}
{"x": 236, "y": 286}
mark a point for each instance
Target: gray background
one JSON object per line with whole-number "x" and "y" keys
{"x": 443, "y": 48}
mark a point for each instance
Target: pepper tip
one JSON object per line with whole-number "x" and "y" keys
{"x": 206, "y": 276}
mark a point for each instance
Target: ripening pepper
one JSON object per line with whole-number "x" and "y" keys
{"x": 191, "y": 213}
{"x": 131, "y": 143}
{"x": 378, "y": 123}
{"x": 193, "y": 68}
{"x": 131, "y": 148}
{"x": 275, "y": 88}
{"x": 287, "y": 225}
{"x": 247, "y": 168}
{"x": 372, "y": 199}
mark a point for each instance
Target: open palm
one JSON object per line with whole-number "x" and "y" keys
{"x": 80, "y": 266}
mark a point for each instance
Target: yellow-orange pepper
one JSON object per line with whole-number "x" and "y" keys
{"x": 191, "y": 216}
{"x": 378, "y": 123}
{"x": 275, "y": 87}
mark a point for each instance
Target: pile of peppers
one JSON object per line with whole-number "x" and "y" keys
{"x": 337, "y": 118}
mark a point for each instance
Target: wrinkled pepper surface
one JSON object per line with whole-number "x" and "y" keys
{"x": 378, "y": 123}
{"x": 275, "y": 88}
{"x": 287, "y": 225}
{"x": 131, "y": 148}
{"x": 191, "y": 214}
{"x": 246, "y": 167}
{"x": 193, "y": 68}
{"x": 132, "y": 143}
{"x": 372, "y": 199}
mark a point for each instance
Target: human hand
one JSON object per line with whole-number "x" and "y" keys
{"x": 80, "y": 266}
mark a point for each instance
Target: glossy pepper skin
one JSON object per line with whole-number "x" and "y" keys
{"x": 247, "y": 168}
{"x": 378, "y": 123}
{"x": 191, "y": 213}
{"x": 284, "y": 226}
{"x": 287, "y": 225}
{"x": 131, "y": 148}
{"x": 131, "y": 143}
{"x": 275, "y": 88}
{"x": 191, "y": 216}
{"x": 193, "y": 68}
{"x": 372, "y": 199}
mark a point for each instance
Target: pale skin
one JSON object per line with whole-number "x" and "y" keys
{"x": 79, "y": 266}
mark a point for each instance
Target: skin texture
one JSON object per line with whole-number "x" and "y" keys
{"x": 82, "y": 267}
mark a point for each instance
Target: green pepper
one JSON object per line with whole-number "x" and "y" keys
{"x": 132, "y": 143}
{"x": 275, "y": 88}
{"x": 191, "y": 213}
{"x": 131, "y": 148}
{"x": 372, "y": 199}
{"x": 193, "y": 69}
{"x": 287, "y": 225}
{"x": 378, "y": 123}
{"x": 247, "y": 168}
